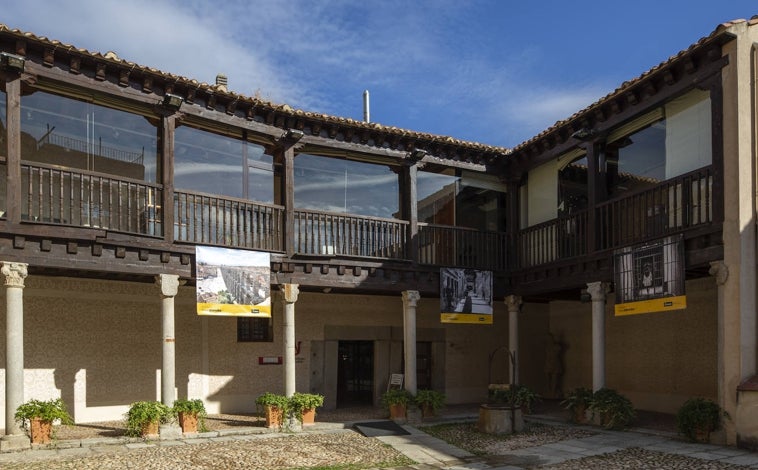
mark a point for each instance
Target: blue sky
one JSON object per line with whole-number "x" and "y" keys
{"x": 491, "y": 71}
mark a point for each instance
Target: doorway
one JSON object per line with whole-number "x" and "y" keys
{"x": 355, "y": 373}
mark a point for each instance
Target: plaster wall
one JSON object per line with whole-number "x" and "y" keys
{"x": 97, "y": 345}
{"x": 657, "y": 360}
{"x": 737, "y": 328}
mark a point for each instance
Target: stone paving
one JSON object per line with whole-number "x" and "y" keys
{"x": 250, "y": 447}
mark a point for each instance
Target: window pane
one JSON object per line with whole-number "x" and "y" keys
{"x": 216, "y": 164}
{"x": 345, "y": 186}
{"x": 77, "y": 134}
{"x": 436, "y": 198}
{"x": 638, "y": 160}
{"x": 460, "y": 201}
{"x": 573, "y": 187}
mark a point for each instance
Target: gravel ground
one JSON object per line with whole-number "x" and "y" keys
{"x": 641, "y": 459}
{"x": 466, "y": 436}
{"x": 262, "y": 452}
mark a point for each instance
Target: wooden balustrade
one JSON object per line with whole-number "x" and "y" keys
{"x": 327, "y": 233}
{"x": 670, "y": 207}
{"x": 461, "y": 247}
{"x": 565, "y": 237}
{"x": 219, "y": 220}
{"x": 53, "y": 195}
{"x": 81, "y": 198}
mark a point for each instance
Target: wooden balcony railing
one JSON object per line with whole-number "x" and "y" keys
{"x": 327, "y": 233}
{"x": 217, "y": 220}
{"x": 461, "y": 247}
{"x": 670, "y": 207}
{"x": 549, "y": 241}
{"x": 53, "y": 195}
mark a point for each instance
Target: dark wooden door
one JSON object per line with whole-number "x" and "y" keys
{"x": 355, "y": 373}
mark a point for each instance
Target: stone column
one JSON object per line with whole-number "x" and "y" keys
{"x": 513, "y": 303}
{"x": 14, "y": 273}
{"x": 289, "y": 295}
{"x": 169, "y": 285}
{"x": 597, "y": 291}
{"x": 410, "y": 299}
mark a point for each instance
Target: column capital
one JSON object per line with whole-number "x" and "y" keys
{"x": 14, "y": 273}
{"x": 169, "y": 284}
{"x": 513, "y": 303}
{"x": 598, "y": 290}
{"x": 720, "y": 271}
{"x": 411, "y": 297}
{"x": 290, "y": 292}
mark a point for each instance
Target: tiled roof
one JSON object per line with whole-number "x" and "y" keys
{"x": 719, "y": 32}
{"x": 282, "y": 108}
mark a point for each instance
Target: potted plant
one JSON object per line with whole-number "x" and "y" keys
{"x": 524, "y": 397}
{"x": 514, "y": 396}
{"x": 577, "y": 402}
{"x": 38, "y": 416}
{"x": 303, "y": 406}
{"x": 611, "y": 409}
{"x": 397, "y": 400}
{"x": 144, "y": 418}
{"x": 274, "y": 408}
{"x": 429, "y": 401}
{"x": 191, "y": 415}
{"x": 697, "y": 418}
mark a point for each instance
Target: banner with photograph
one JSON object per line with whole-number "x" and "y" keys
{"x": 650, "y": 277}
{"x": 465, "y": 296}
{"x": 233, "y": 282}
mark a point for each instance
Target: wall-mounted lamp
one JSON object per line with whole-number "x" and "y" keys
{"x": 583, "y": 134}
{"x": 172, "y": 101}
{"x": 13, "y": 62}
{"x": 417, "y": 154}
{"x": 295, "y": 134}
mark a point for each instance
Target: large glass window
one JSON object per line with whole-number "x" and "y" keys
{"x": 217, "y": 164}
{"x": 573, "y": 186}
{"x": 346, "y": 186}
{"x": 660, "y": 145}
{"x": 84, "y": 135}
{"x": 463, "y": 200}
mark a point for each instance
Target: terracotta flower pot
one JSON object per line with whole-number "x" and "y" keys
{"x": 309, "y": 417}
{"x": 188, "y": 422}
{"x": 41, "y": 431}
{"x": 427, "y": 411}
{"x": 150, "y": 428}
{"x": 397, "y": 411}
{"x": 274, "y": 417}
{"x": 580, "y": 414}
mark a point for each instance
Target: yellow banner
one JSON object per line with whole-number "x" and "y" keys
{"x": 234, "y": 310}
{"x": 663, "y": 304}
{"x": 466, "y": 318}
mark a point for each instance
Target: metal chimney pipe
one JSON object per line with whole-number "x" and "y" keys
{"x": 366, "y": 112}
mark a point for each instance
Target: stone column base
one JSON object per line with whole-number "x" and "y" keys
{"x": 15, "y": 442}
{"x": 170, "y": 432}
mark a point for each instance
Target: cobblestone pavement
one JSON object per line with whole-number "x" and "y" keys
{"x": 240, "y": 442}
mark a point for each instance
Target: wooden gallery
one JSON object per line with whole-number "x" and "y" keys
{"x": 615, "y": 249}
